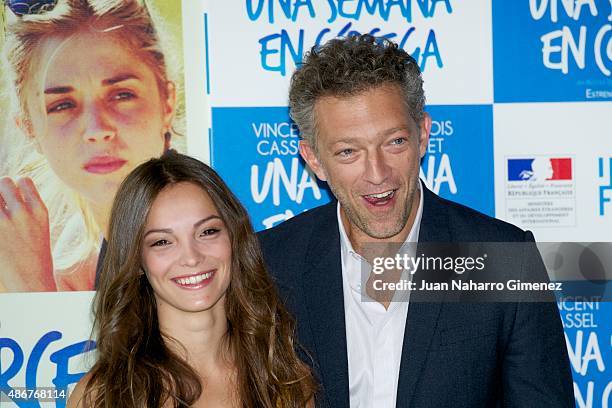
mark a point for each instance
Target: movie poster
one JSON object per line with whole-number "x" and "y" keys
{"x": 87, "y": 95}
{"x": 84, "y": 102}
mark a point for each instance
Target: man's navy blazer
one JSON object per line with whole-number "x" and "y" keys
{"x": 454, "y": 354}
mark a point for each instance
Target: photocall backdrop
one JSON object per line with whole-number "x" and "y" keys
{"x": 520, "y": 94}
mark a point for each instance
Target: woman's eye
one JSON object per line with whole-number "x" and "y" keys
{"x": 160, "y": 242}
{"x": 60, "y": 106}
{"x": 123, "y": 95}
{"x": 208, "y": 232}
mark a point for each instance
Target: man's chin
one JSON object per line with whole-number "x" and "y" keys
{"x": 383, "y": 233}
{"x": 382, "y": 227}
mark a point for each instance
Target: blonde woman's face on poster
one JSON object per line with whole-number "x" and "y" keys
{"x": 101, "y": 113}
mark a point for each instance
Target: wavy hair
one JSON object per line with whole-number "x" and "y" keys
{"x": 347, "y": 66}
{"x": 135, "y": 366}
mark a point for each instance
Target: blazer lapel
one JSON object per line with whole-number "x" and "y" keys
{"x": 322, "y": 283}
{"x": 422, "y": 316}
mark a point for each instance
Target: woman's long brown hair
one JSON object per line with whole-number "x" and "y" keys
{"x": 135, "y": 366}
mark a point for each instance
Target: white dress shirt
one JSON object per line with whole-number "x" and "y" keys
{"x": 374, "y": 335}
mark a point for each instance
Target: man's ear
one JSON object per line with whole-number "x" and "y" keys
{"x": 424, "y": 129}
{"x": 308, "y": 154}
{"x": 26, "y": 128}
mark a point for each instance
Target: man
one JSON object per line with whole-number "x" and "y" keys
{"x": 358, "y": 103}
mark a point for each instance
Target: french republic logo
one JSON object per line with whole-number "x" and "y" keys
{"x": 540, "y": 191}
{"x": 540, "y": 169}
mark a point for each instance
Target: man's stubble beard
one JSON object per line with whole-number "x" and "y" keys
{"x": 362, "y": 223}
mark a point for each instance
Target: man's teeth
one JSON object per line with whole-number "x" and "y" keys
{"x": 386, "y": 194}
{"x": 192, "y": 280}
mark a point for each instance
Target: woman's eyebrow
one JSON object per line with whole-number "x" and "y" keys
{"x": 107, "y": 82}
{"x": 169, "y": 230}
{"x": 119, "y": 78}
{"x": 58, "y": 90}
{"x": 203, "y": 220}
{"x": 151, "y": 231}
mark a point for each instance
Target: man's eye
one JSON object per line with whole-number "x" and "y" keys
{"x": 60, "y": 106}
{"x": 399, "y": 141}
{"x": 345, "y": 152}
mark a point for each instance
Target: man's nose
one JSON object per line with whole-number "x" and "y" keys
{"x": 377, "y": 170}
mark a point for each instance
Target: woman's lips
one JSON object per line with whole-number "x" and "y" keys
{"x": 104, "y": 164}
{"x": 195, "y": 281}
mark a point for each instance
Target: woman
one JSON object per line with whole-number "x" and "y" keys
{"x": 93, "y": 98}
{"x": 185, "y": 313}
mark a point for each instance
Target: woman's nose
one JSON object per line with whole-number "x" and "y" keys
{"x": 190, "y": 256}
{"x": 96, "y": 125}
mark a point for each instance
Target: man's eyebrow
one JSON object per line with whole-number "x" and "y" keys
{"x": 391, "y": 131}
{"x": 348, "y": 140}
{"x": 385, "y": 132}
{"x": 169, "y": 230}
{"x": 119, "y": 78}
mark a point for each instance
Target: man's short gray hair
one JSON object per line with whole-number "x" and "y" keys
{"x": 349, "y": 66}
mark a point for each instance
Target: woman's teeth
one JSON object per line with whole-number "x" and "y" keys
{"x": 192, "y": 280}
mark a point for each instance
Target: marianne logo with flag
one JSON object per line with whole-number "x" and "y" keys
{"x": 540, "y": 191}
{"x": 540, "y": 169}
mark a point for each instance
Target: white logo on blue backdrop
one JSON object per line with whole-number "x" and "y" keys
{"x": 552, "y": 50}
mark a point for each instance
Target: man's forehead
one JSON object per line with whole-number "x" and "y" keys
{"x": 360, "y": 91}
{"x": 374, "y": 112}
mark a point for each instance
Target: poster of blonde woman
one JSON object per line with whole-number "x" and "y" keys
{"x": 91, "y": 89}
